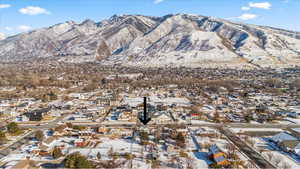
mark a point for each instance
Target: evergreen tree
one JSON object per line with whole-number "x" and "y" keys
{"x": 39, "y": 135}
{"x": 57, "y": 153}
{"x": 99, "y": 156}
{"x": 180, "y": 140}
{"x": 110, "y": 152}
{"x": 13, "y": 127}
{"x": 3, "y": 138}
{"x": 76, "y": 160}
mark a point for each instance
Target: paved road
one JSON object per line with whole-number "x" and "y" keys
{"x": 43, "y": 126}
{"x": 253, "y": 155}
{"x": 24, "y": 139}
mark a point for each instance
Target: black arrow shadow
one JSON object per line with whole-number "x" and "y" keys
{"x": 145, "y": 120}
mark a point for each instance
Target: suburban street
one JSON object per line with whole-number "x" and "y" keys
{"x": 23, "y": 140}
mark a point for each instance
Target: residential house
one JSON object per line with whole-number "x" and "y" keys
{"x": 22, "y": 118}
{"x": 283, "y": 136}
{"x": 79, "y": 142}
{"x": 79, "y": 117}
{"x": 294, "y": 115}
{"x": 218, "y": 156}
{"x": 115, "y": 115}
{"x": 162, "y": 117}
{"x": 37, "y": 115}
{"x": 102, "y": 130}
{"x": 290, "y": 146}
{"x": 295, "y": 132}
{"x": 47, "y": 145}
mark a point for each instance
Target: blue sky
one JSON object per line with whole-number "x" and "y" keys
{"x": 22, "y": 15}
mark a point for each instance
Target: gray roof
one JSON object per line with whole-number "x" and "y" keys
{"x": 283, "y": 136}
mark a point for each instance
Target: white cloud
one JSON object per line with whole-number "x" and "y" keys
{"x": 8, "y": 28}
{"x": 2, "y": 36}
{"x": 245, "y": 8}
{"x": 247, "y": 16}
{"x": 158, "y": 1}
{"x": 33, "y": 10}
{"x": 4, "y": 6}
{"x": 24, "y": 28}
{"x": 261, "y": 5}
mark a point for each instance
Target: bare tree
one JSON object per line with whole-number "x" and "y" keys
{"x": 277, "y": 160}
{"x": 285, "y": 165}
{"x": 189, "y": 163}
{"x": 231, "y": 150}
{"x": 269, "y": 156}
{"x": 250, "y": 141}
{"x": 250, "y": 165}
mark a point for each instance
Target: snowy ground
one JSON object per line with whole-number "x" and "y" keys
{"x": 287, "y": 122}
{"x": 12, "y": 139}
{"x": 218, "y": 140}
{"x": 291, "y": 160}
{"x": 200, "y": 122}
{"x": 200, "y": 158}
{"x": 255, "y": 129}
{"x": 297, "y": 121}
{"x": 118, "y": 146}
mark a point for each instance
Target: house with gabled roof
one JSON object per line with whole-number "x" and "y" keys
{"x": 294, "y": 132}
{"x": 283, "y": 136}
{"x": 217, "y": 155}
{"x": 290, "y": 146}
{"x": 162, "y": 116}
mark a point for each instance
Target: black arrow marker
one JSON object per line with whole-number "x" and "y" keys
{"x": 145, "y": 120}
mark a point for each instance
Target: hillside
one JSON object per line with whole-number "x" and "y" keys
{"x": 171, "y": 40}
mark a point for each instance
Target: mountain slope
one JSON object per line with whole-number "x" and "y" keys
{"x": 171, "y": 40}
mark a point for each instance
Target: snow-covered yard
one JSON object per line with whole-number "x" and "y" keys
{"x": 296, "y": 121}
{"x": 273, "y": 154}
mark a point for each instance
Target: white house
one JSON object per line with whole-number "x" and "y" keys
{"x": 162, "y": 117}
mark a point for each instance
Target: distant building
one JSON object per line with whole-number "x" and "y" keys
{"x": 21, "y": 118}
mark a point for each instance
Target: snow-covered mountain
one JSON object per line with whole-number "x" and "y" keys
{"x": 171, "y": 40}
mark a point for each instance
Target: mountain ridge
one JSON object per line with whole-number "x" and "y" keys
{"x": 174, "y": 39}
